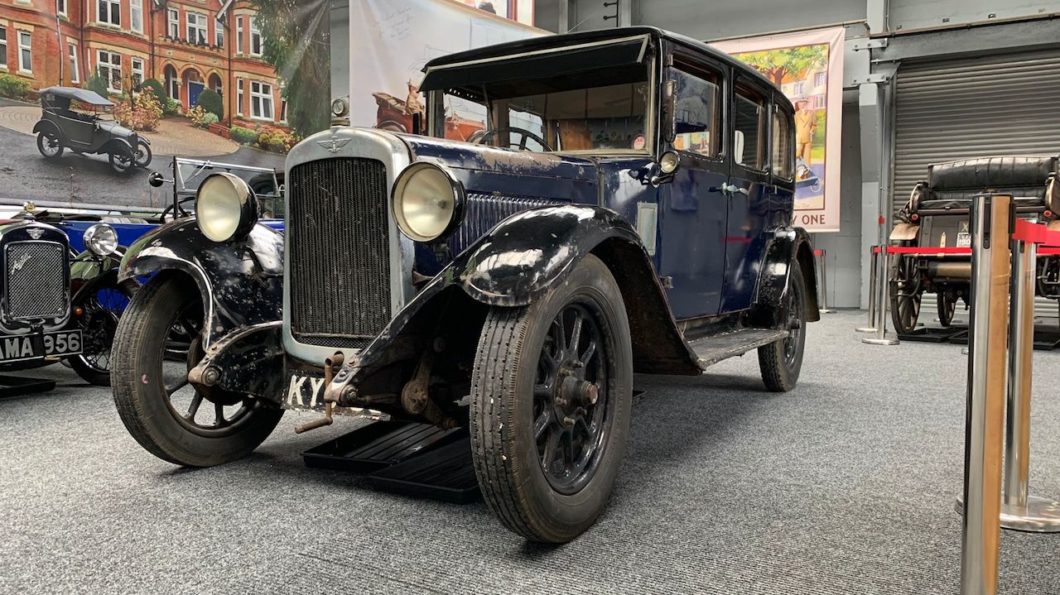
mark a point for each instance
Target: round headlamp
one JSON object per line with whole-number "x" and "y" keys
{"x": 225, "y": 207}
{"x": 427, "y": 201}
{"x": 101, "y": 239}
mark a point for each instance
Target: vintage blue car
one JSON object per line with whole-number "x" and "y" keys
{"x": 627, "y": 208}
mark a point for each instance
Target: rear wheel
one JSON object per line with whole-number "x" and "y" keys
{"x": 121, "y": 160}
{"x": 947, "y": 307}
{"x": 781, "y": 362}
{"x": 49, "y": 144}
{"x": 166, "y": 415}
{"x": 550, "y": 406}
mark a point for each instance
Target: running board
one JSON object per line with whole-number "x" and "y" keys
{"x": 716, "y": 348}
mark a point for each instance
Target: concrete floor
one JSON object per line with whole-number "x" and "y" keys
{"x": 845, "y": 485}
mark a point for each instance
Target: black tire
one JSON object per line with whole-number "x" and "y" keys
{"x": 49, "y": 145}
{"x": 946, "y": 305}
{"x": 143, "y": 154}
{"x": 905, "y": 295}
{"x": 121, "y": 160}
{"x": 518, "y": 350}
{"x": 781, "y": 361}
{"x": 98, "y": 323}
{"x": 142, "y": 396}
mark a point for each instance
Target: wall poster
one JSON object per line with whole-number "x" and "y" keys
{"x": 808, "y": 67}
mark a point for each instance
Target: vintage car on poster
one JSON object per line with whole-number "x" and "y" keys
{"x": 627, "y": 210}
{"x": 937, "y": 215}
{"x": 75, "y": 119}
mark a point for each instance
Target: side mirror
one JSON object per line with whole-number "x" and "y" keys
{"x": 668, "y": 119}
{"x": 155, "y": 179}
{"x": 737, "y": 152}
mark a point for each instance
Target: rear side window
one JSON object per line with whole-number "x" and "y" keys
{"x": 783, "y": 158}
{"x": 749, "y": 142}
{"x": 698, "y": 113}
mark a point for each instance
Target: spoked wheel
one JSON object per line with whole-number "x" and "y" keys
{"x": 905, "y": 295}
{"x": 101, "y": 307}
{"x": 550, "y": 405}
{"x": 780, "y": 362}
{"x": 49, "y": 144}
{"x": 121, "y": 160}
{"x": 947, "y": 307}
{"x": 165, "y": 414}
{"x": 143, "y": 154}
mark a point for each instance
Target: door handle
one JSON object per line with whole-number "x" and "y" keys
{"x": 733, "y": 189}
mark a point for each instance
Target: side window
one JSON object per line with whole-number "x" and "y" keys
{"x": 698, "y": 113}
{"x": 749, "y": 142}
{"x": 783, "y": 157}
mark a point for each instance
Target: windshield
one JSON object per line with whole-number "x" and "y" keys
{"x": 552, "y": 114}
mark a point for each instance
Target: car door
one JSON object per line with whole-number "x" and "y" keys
{"x": 693, "y": 214}
{"x": 748, "y": 191}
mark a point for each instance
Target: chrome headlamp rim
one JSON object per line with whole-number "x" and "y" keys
{"x": 397, "y": 193}
{"x": 227, "y": 191}
{"x": 101, "y": 239}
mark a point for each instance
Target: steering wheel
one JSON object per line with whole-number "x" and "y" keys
{"x": 168, "y": 211}
{"x": 524, "y": 133}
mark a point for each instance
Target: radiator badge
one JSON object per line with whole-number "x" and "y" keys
{"x": 20, "y": 262}
{"x": 35, "y": 233}
{"x": 333, "y": 144}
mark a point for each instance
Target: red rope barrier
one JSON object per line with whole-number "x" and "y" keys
{"x": 927, "y": 250}
{"x": 818, "y": 252}
{"x": 1036, "y": 234}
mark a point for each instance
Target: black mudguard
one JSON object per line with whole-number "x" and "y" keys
{"x": 786, "y": 247}
{"x": 241, "y": 281}
{"x": 43, "y": 125}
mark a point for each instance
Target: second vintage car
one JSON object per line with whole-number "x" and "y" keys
{"x": 512, "y": 286}
{"x": 75, "y": 119}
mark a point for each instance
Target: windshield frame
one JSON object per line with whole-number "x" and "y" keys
{"x": 435, "y": 107}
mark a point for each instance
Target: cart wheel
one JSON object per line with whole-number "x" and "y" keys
{"x": 780, "y": 362}
{"x": 101, "y": 307}
{"x": 166, "y": 415}
{"x": 121, "y": 160}
{"x": 143, "y": 154}
{"x": 947, "y": 306}
{"x": 550, "y": 405}
{"x": 49, "y": 145}
{"x": 905, "y": 295}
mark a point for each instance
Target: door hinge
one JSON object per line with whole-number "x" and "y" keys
{"x": 667, "y": 282}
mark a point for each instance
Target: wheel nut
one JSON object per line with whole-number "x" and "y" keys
{"x": 210, "y": 376}
{"x": 590, "y": 393}
{"x": 568, "y": 422}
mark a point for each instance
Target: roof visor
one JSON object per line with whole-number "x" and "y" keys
{"x": 538, "y": 64}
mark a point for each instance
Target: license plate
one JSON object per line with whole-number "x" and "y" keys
{"x": 305, "y": 391}
{"x": 964, "y": 240}
{"x": 30, "y": 347}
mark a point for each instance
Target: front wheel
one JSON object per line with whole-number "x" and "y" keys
{"x": 49, "y": 144}
{"x": 143, "y": 154}
{"x": 100, "y": 308}
{"x": 551, "y": 394}
{"x": 166, "y": 415}
{"x": 121, "y": 160}
{"x": 781, "y": 361}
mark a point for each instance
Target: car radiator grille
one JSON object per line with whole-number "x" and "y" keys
{"x": 35, "y": 287}
{"x": 339, "y": 258}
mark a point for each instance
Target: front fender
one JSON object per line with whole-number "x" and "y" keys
{"x": 117, "y": 144}
{"x": 240, "y": 281}
{"x": 530, "y": 252}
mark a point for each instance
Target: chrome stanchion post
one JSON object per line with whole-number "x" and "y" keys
{"x": 1019, "y": 510}
{"x": 881, "y": 337}
{"x": 874, "y": 266}
{"x": 820, "y": 256}
{"x": 980, "y": 530}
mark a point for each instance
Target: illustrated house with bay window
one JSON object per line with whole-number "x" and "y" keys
{"x": 187, "y": 46}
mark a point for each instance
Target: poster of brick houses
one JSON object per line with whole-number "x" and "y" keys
{"x": 200, "y": 79}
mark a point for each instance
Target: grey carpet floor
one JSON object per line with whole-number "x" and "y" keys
{"x": 845, "y": 485}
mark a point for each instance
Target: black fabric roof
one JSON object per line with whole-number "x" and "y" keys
{"x": 82, "y": 95}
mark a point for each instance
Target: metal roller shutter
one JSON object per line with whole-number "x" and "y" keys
{"x": 974, "y": 107}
